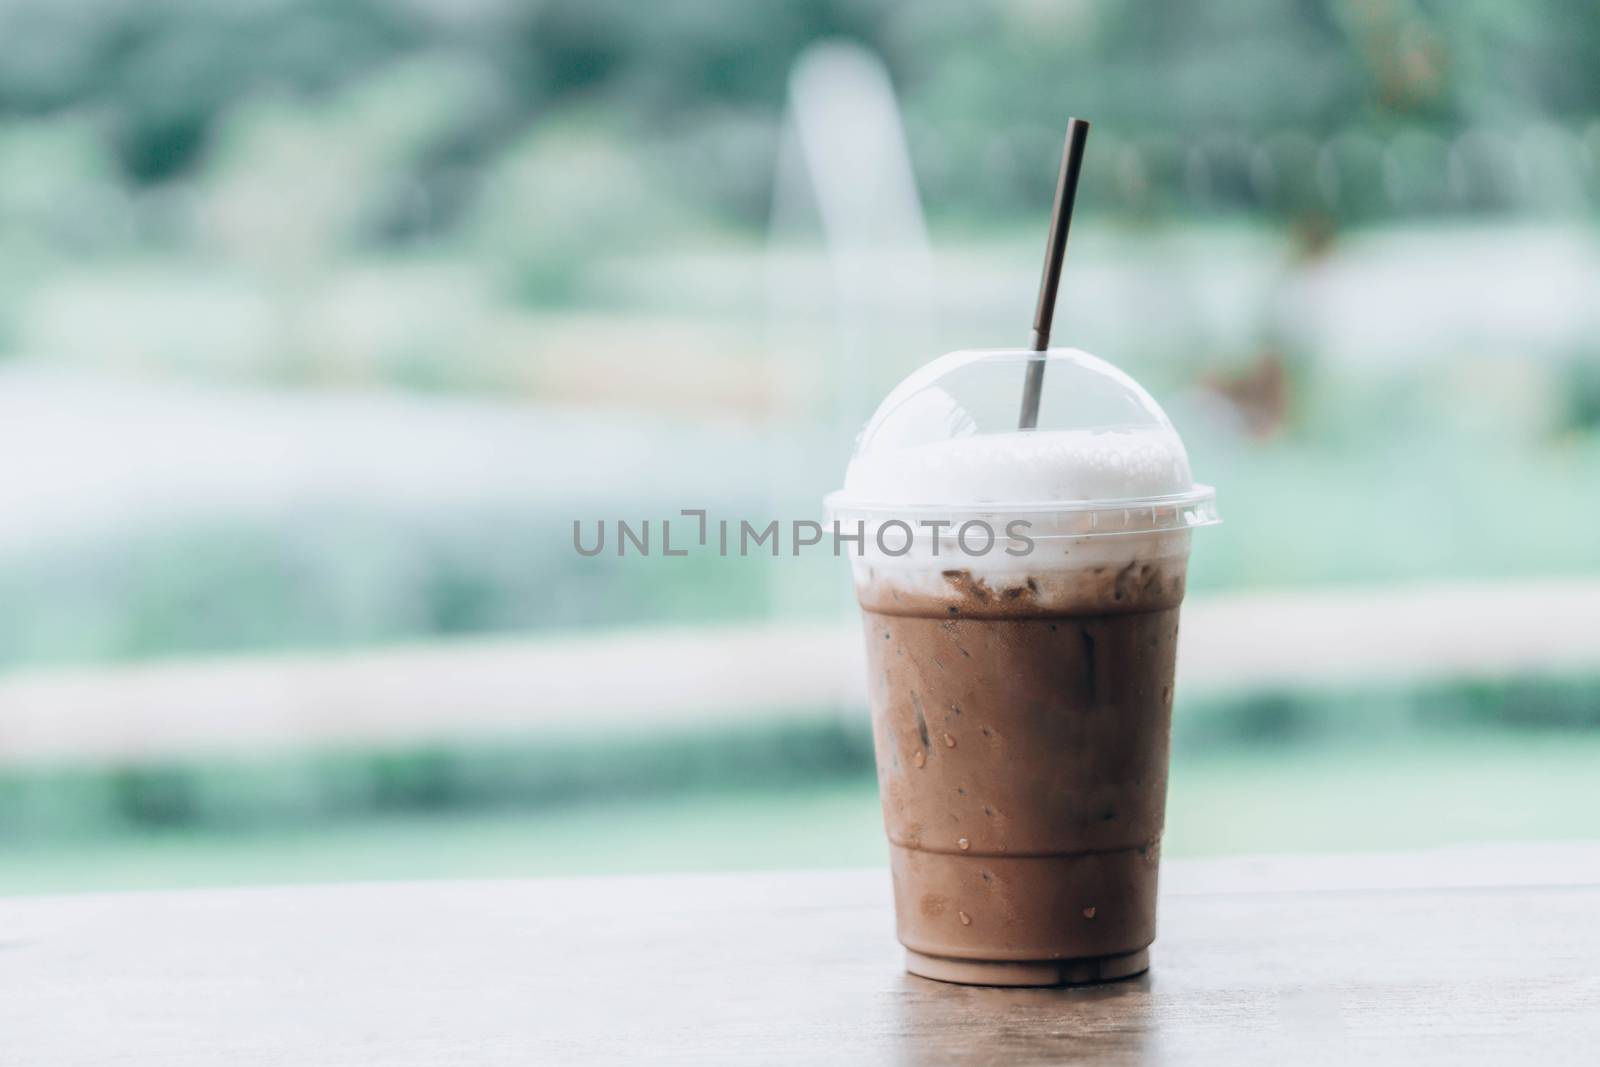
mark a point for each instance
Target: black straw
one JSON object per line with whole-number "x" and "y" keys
{"x": 1055, "y": 251}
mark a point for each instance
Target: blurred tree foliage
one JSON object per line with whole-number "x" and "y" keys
{"x": 700, "y": 83}
{"x": 234, "y": 189}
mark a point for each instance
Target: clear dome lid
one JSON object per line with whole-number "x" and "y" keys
{"x": 1103, "y": 458}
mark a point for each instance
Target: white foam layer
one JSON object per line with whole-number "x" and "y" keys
{"x": 1041, "y": 466}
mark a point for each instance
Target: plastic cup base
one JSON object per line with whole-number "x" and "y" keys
{"x": 1029, "y": 973}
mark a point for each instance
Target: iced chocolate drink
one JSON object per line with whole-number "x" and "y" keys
{"x": 1021, "y": 690}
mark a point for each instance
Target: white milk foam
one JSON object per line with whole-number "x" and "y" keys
{"x": 1039, "y": 467}
{"x": 1033, "y": 467}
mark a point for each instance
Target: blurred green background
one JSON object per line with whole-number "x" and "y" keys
{"x": 320, "y": 323}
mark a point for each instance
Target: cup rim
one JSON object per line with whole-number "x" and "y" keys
{"x": 1192, "y": 508}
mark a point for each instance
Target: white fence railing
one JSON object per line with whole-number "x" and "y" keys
{"x": 648, "y": 680}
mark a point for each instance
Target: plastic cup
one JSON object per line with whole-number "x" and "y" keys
{"x": 1020, "y": 595}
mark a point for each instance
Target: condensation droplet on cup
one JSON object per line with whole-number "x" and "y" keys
{"x": 1088, "y": 913}
{"x": 949, "y": 742}
{"x": 966, "y": 920}
{"x": 921, "y": 758}
{"x": 964, "y": 843}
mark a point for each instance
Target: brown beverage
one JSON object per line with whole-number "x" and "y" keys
{"x": 1021, "y": 729}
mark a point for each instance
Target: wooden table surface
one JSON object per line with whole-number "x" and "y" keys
{"x": 1480, "y": 955}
